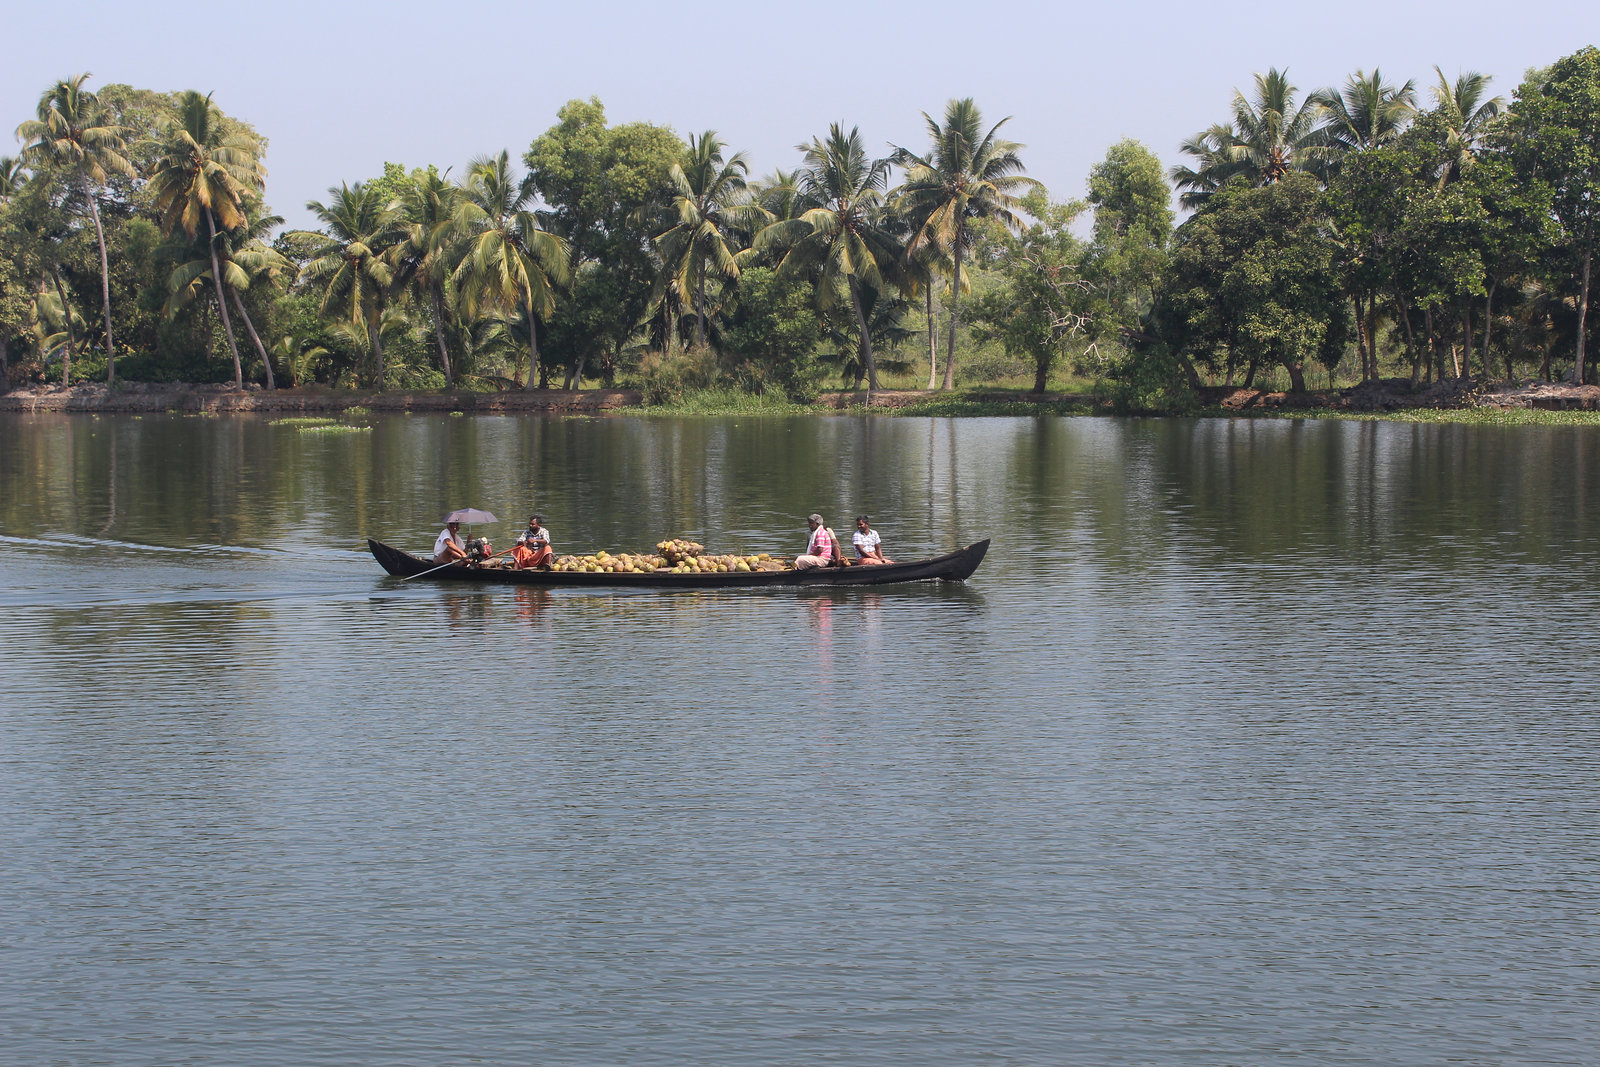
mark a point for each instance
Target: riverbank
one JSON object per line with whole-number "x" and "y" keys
{"x": 152, "y": 398}
{"x": 1398, "y": 394}
{"x": 1389, "y": 398}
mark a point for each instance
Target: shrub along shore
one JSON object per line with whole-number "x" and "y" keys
{"x": 1396, "y": 399}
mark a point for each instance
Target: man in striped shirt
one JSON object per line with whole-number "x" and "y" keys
{"x": 819, "y": 550}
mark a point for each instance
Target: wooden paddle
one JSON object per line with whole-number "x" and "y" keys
{"x": 452, "y": 563}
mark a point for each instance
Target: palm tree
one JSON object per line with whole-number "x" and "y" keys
{"x": 71, "y": 132}
{"x": 13, "y": 173}
{"x": 1268, "y": 137}
{"x": 1369, "y": 113}
{"x": 511, "y": 262}
{"x": 207, "y": 173}
{"x": 1466, "y": 113}
{"x": 244, "y": 256}
{"x": 778, "y": 194}
{"x": 967, "y": 175}
{"x": 1272, "y": 134}
{"x": 1213, "y": 149}
{"x": 711, "y": 201}
{"x": 427, "y": 255}
{"x": 360, "y": 229}
{"x": 840, "y": 232}
{"x": 51, "y": 320}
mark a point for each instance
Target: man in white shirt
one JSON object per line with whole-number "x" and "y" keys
{"x": 448, "y": 547}
{"x": 869, "y": 546}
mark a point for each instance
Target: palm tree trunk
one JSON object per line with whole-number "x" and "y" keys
{"x": 955, "y": 313}
{"x": 222, "y": 304}
{"x": 867, "y": 359}
{"x": 933, "y": 340}
{"x": 105, "y": 287}
{"x": 375, "y": 329}
{"x": 700, "y": 309}
{"x": 1466, "y": 340}
{"x": 1372, "y": 332}
{"x": 250, "y": 328}
{"x": 533, "y": 349}
{"x": 438, "y": 333}
{"x": 1361, "y": 339}
{"x": 66, "y": 314}
{"x": 5, "y": 366}
{"x": 1411, "y": 340}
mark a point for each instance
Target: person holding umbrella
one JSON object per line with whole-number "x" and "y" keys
{"x": 448, "y": 547}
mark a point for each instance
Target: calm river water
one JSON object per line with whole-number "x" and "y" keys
{"x": 1250, "y": 743}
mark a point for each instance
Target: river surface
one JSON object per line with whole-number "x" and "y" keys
{"x": 1251, "y": 742}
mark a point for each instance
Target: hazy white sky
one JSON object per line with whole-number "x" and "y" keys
{"x": 340, "y": 87}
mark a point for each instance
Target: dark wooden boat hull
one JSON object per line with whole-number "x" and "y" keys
{"x": 952, "y": 567}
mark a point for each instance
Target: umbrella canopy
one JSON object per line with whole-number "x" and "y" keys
{"x": 470, "y": 516}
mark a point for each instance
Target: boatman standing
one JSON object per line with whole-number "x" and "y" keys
{"x": 820, "y": 549}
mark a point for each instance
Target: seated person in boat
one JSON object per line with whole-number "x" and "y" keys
{"x": 821, "y": 550}
{"x": 533, "y": 546}
{"x": 448, "y": 547}
{"x": 869, "y": 546}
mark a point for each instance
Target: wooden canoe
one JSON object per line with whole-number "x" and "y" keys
{"x": 954, "y": 566}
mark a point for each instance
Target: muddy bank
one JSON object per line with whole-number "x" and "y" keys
{"x": 1395, "y": 394}
{"x": 149, "y": 398}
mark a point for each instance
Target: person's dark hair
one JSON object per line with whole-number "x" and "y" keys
{"x": 863, "y": 518}
{"x": 536, "y": 519}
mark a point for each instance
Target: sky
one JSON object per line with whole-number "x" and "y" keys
{"x": 338, "y": 88}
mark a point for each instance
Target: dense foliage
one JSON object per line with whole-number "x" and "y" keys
{"x": 1350, "y": 231}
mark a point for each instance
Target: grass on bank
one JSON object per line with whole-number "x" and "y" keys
{"x": 1486, "y": 416}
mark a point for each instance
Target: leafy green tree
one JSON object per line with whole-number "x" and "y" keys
{"x": 1556, "y": 118}
{"x": 771, "y": 337}
{"x": 44, "y": 250}
{"x": 841, "y": 235}
{"x": 609, "y": 194}
{"x": 71, "y": 132}
{"x": 1047, "y": 305}
{"x": 711, "y": 203}
{"x": 207, "y": 173}
{"x": 352, "y": 262}
{"x": 1132, "y": 226}
{"x": 511, "y": 261}
{"x": 967, "y": 175}
{"x": 1253, "y": 279}
{"x": 14, "y": 269}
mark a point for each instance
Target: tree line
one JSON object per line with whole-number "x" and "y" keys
{"x": 1353, "y": 229}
